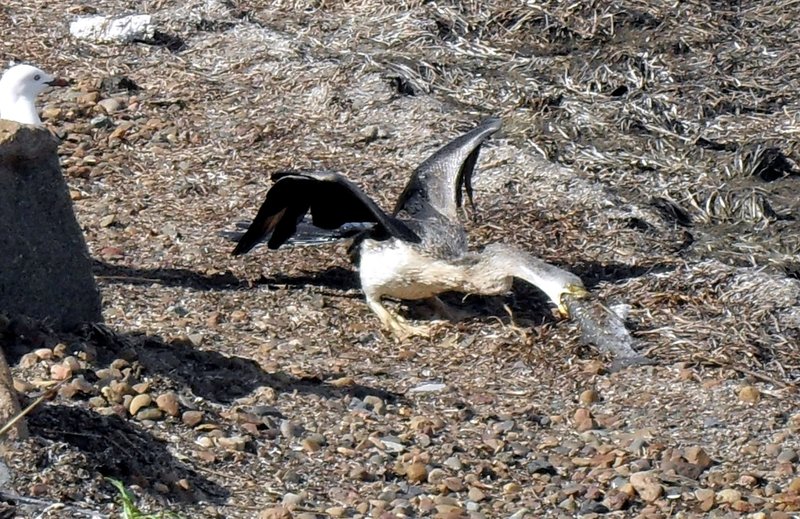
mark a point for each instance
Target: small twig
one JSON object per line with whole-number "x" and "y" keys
{"x": 19, "y": 416}
{"x": 745, "y": 371}
{"x": 52, "y": 505}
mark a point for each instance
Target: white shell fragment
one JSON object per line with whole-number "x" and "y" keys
{"x": 110, "y": 29}
{"x": 432, "y": 387}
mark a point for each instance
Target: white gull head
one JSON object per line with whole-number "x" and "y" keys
{"x": 19, "y": 87}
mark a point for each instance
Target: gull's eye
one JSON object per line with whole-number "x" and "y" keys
{"x": 37, "y": 77}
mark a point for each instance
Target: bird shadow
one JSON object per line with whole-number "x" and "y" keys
{"x": 171, "y": 277}
{"x": 334, "y": 278}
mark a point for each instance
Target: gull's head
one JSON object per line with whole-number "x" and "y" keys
{"x": 557, "y": 283}
{"x": 19, "y": 87}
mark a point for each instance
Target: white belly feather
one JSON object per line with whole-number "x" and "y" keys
{"x": 398, "y": 270}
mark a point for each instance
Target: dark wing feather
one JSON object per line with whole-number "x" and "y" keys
{"x": 332, "y": 201}
{"x": 438, "y": 182}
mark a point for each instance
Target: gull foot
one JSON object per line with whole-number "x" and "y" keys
{"x": 402, "y": 331}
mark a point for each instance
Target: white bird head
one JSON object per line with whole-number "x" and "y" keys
{"x": 19, "y": 87}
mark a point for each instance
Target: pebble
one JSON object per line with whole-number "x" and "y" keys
{"x": 277, "y": 512}
{"x": 697, "y": 456}
{"x": 416, "y": 472}
{"x": 647, "y": 485}
{"x": 729, "y": 495}
{"x": 311, "y": 445}
{"x": 290, "y": 429}
{"x": 749, "y": 394}
{"x": 102, "y": 121}
{"x": 28, "y": 361}
{"x": 583, "y": 420}
{"x": 60, "y": 372}
{"x": 149, "y": 413}
{"x": 43, "y": 353}
{"x": 359, "y": 473}
{"x": 376, "y": 404}
{"x": 436, "y": 476}
{"x": 335, "y": 511}
{"x": 168, "y": 402}
{"x": 592, "y": 507}
{"x": 787, "y": 456}
{"x": 342, "y": 382}
{"x": 428, "y": 388}
{"x": 476, "y": 494}
{"x": 23, "y": 386}
{"x": 138, "y": 402}
{"x": 453, "y": 463}
{"x": 141, "y": 387}
{"x": 589, "y": 397}
{"x": 453, "y": 484}
{"x": 192, "y": 418}
{"x": 233, "y": 443}
{"x": 110, "y": 105}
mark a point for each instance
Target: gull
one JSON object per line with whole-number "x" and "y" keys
{"x": 417, "y": 251}
{"x": 19, "y": 87}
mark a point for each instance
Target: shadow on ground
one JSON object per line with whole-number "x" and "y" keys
{"x": 120, "y": 449}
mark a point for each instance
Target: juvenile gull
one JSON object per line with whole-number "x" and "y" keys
{"x": 420, "y": 249}
{"x": 19, "y": 87}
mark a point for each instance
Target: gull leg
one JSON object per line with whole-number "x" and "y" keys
{"x": 396, "y": 324}
{"x": 446, "y": 311}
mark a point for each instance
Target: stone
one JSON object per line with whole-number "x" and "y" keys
{"x": 45, "y": 268}
{"x": 794, "y": 486}
{"x": 647, "y": 485}
{"x": 375, "y": 403}
{"x": 110, "y": 105}
{"x": 290, "y": 429}
{"x": 168, "y": 402}
{"x": 192, "y": 418}
{"x": 589, "y": 396}
{"x": 60, "y": 372}
{"x": 436, "y": 476}
{"x": 729, "y": 495}
{"x": 787, "y": 456}
{"x": 149, "y": 413}
{"x": 277, "y": 512}
{"x": 416, "y": 472}
{"x": 705, "y": 498}
{"x": 697, "y": 456}
{"x": 476, "y": 494}
{"x": 749, "y": 394}
{"x": 583, "y": 420}
{"x": 234, "y": 443}
{"x": 138, "y": 402}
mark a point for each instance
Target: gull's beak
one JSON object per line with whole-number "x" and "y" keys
{"x": 576, "y": 291}
{"x": 58, "y": 82}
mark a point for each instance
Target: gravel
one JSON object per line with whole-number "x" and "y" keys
{"x": 263, "y": 386}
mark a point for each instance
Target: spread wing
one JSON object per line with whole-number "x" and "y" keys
{"x": 440, "y": 180}
{"x": 332, "y": 201}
